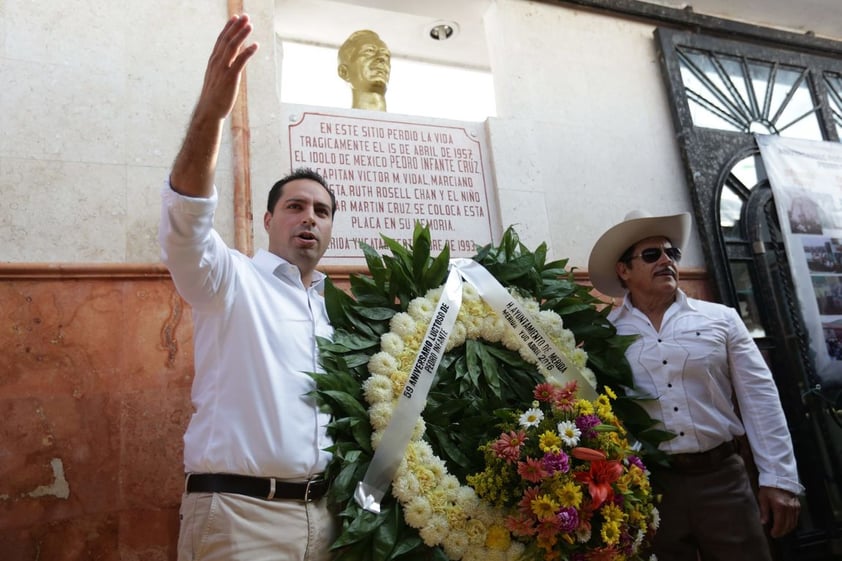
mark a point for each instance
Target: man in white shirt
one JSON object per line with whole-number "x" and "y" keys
{"x": 695, "y": 357}
{"x": 254, "y": 450}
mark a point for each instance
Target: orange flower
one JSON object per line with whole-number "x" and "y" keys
{"x": 587, "y": 454}
{"x": 599, "y": 479}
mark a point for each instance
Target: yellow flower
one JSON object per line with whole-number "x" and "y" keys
{"x": 610, "y": 392}
{"x": 549, "y": 442}
{"x": 498, "y": 538}
{"x": 569, "y": 494}
{"x": 610, "y": 533}
{"x": 584, "y": 407}
{"x": 544, "y": 507}
{"x": 613, "y": 513}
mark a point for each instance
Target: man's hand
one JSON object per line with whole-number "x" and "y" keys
{"x": 225, "y": 67}
{"x": 781, "y": 507}
{"x": 194, "y": 167}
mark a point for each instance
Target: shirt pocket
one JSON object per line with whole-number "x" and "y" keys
{"x": 704, "y": 347}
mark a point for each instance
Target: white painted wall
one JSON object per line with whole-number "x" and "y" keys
{"x": 584, "y": 132}
{"x": 96, "y": 96}
{"x": 94, "y": 101}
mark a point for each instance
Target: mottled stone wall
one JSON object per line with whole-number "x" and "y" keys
{"x": 95, "y": 377}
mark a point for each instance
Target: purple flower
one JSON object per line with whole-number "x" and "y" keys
{"x": 568, "y": 519}
{"x": 556, "y": 461}
{"x": 585, "y": 423}
{"x": 635, "y": 461}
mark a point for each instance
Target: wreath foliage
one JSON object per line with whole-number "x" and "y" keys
{"x": 474, "y": 383}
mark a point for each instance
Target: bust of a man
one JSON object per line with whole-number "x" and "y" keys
{"x": 365, "y": 63}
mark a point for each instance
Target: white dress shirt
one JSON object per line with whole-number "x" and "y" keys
{"x": 700, "y": 359}
{"x": 254, "y": 331}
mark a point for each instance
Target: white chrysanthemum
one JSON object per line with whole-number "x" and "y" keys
{"x": 515, "y": 551}
{"x": 583, "y": 533}
{"x": 656, "y": 518}
{"x": 426, "y": 480}
{"x": 511, "y": 340}
{"x": 391, "y": 343}
{"x": 475, "y": 553}
{"x": 419, "y": 451}
{"x": 449, "y": 483}
{"x": 532, "y": 417}
{"x": 398, "y": 378}
{"x": 457, "y": 336}
{"x": 550, "y": 322}
{"x": 403, "y": 325}
{"x": 526, "y": 354}
{"x": 434, "y": 531}
{"x": 455, "y": 544}
{"x": 383, "y": 364}
{"x": 638, "y": 540}
{"x": 487, "y": 514}
{"x": 566, "y": 339}
{"x": 476, "y": 532}
{"x": 467, "y": 498}
{"x": 588, "y": 375}
{"x": 469, "y": 293}
{"x": 569, "y": 433}
{"x": 419, "y": 429}
{"x": 473, "y": 326}
{"x": 579, "y": 357}
{"x": 434, "y": 294}
{"x": 493, "y": 328}
{"x": 405, "y": 486}
{"x": 377, "y": 388}
{"x": 379, "y": 414}
{"x": 417, "y": 512}
{"x": 421, "y": 310}
{"x": 495, "y": 555}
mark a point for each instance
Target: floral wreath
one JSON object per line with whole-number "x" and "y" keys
{"x": 503, "y": 464}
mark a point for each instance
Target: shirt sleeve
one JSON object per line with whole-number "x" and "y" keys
{"x": 760, "y": 409}
{"x": 196, "y": 256}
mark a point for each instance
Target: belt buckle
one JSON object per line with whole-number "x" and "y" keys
{"x": 271, "y": 494}
{"x": 307, "y": 498}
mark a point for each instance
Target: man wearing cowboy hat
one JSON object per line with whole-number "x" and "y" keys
{"x": 695, "y": 357}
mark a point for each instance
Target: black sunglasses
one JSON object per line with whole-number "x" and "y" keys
{"x": 652, "y": 254}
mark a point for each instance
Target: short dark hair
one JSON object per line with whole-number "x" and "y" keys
{"x": 299, "y": 173}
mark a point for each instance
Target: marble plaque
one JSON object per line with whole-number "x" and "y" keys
{"x": 390, "y": 171}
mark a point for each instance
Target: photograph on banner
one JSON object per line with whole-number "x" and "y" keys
{"x": 806, "y": 180}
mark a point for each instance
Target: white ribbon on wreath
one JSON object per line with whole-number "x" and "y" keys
{"x": 558, "y": 369}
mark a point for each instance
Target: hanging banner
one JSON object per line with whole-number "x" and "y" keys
{"x": 806, "y": 181}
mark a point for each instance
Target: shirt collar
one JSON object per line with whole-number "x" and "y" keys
{"x": 276, "y": 265}
{"x": 681, "y": 301}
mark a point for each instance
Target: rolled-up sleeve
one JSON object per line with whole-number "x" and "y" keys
{"x": 191, "y": 249}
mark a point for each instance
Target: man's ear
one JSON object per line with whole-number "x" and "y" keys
{"x": 342, "y": 70}
{"x": 622, "y": 270}
{"x": 266, "y": 218}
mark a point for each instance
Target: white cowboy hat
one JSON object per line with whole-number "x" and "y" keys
{"x": 636, "y": 226}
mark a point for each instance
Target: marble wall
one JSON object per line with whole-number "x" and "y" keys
{"x": 94, "y": 394}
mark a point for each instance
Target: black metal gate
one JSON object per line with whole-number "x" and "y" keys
{"x": 722, "y": 92}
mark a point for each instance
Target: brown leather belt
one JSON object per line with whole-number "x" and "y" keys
{"x": 267, "y": 488}
{"x": 701, "y": 462}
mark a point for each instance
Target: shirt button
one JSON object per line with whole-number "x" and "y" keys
{"x": 681, "y": 433}
{"x": 669, "y": 385}
{"x": 675, "y": 408}
{"x": 665, "y": 361}
{"x": 660, "y": 340}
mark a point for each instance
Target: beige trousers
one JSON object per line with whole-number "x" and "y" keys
{"x": 229, "y": 527}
